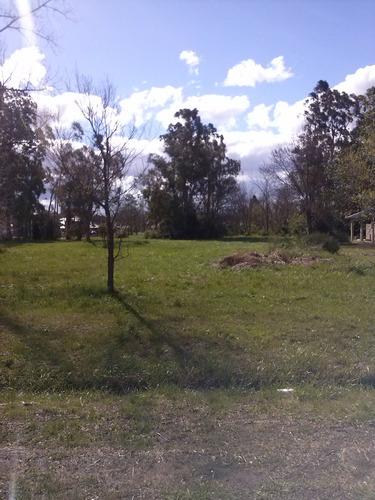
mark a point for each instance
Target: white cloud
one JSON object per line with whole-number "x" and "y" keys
{"x": 288, "y": 118}
{"x": 252, "y": 147}
{"x": 24, "y": 68}
{"x": 62, "y": 107}
{"x": 358, "y": 82}
{"x": 259, "y": 117}
{"x": 141, "y": 106}
{"x": 191, "y": 59}
{"x": 269, "y": 126}
{"x": 221, "y": 110}
{"x": 248, "y": 73}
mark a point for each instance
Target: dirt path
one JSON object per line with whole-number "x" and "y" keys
{"x": 239, "y": 455}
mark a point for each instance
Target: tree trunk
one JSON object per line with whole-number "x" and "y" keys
{"x": 309, "y": 221}
{"x": 8, "y": 226}
{"x": 251, "y": 203}
{"x": 111, "y": 258}
{"x": 86, "y": 229}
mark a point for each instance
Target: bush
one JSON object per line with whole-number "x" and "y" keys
{"x": 316, "y": 239}
{"x": 331, "y": 245}
{"x": 325, "y": 241}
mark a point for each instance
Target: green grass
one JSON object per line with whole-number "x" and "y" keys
{"x": 178, "y": 320}
{"x": 183, "y": 359}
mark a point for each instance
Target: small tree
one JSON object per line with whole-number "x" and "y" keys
{"x": 111, "y": 142}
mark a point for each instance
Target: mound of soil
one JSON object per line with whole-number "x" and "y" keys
{"x": 240, "y": 260}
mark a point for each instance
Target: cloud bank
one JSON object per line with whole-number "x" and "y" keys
{"x": 250, "y": 132}
{"x": 358, "y": 82}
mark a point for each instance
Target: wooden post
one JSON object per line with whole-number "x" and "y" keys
{"x": 361, "y": 231}
{"x": 372, "y": 231}
{"x": 351, "y": 230}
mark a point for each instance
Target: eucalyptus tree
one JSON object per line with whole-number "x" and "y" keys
{"x": 354, "y": 170}
{"x": 306, "y": 164}
{"x": 188, "y": 187}
{"x": 73, "y": 181}
{"x": 22, "y": 150}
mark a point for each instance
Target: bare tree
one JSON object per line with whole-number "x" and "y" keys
{"x": 113, "y": 143}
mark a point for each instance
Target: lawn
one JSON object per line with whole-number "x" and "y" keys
{"x": 173, "y": 386}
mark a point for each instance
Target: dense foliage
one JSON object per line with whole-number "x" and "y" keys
{"x": 22, "y": 150}
{"x": 188, "y": 189}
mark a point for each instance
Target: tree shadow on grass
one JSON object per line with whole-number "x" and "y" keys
{"x": 51, "y": 357}
{"x": 202, "y": 363}
{"x": 37, "y": 364}
{"x": 19, "y": 242}
{"x": 158, "y": 335}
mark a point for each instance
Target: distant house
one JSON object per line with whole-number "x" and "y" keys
{"x": 366, "y": 221}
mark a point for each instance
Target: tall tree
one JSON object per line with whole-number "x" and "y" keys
{"x": 239, "y": 212}
{"x": 354, "y": 170}
{"x": 188, "y": 188}
{"x": 306, "y": 164}
{"x": 22, "y": 150}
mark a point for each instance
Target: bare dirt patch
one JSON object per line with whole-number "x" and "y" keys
{"x": 240, "y": 260}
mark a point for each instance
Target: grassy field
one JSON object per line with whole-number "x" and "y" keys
{"x": 170, "y": 388}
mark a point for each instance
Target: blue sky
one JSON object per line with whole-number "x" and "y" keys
{"x": 246, "y": 64}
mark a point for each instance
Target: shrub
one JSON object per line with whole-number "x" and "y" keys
{"x": 331, "y": 245}
{"x": 153, "y": 234}
{"x": 296, "y": 224}
{"x": 322, "y": 240}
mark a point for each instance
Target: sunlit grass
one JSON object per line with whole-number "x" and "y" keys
{"x": 179, "y": 320}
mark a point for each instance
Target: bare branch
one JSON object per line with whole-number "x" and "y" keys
{"x": 12, "y": 19}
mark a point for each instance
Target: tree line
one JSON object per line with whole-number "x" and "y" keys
{"x": 191, "y": 190}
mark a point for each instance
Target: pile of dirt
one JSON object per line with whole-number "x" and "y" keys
{"x": 240, "y": 260}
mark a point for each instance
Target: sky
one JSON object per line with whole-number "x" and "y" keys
{"x": 246, "y": 65}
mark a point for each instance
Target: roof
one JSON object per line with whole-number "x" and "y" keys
{"x": 358, "y": 215}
